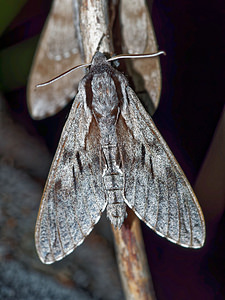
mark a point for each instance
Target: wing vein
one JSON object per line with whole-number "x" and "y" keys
{"x": 178, "y": 209}
{"x": 74, "y": 210}
{"x": 86, "y": 207}
{"x": 168, "y": 212}
{"x": 49, "y": 235}
{"x": 135, "y": 184}
{"x": 146, "y": 200}
{"x": 94, "y": 191}
{"x": 80, "y": 227}
{"x": 189, "y": 216}
{"x": 57, "y": 222}
{"x": 157, "y": 198}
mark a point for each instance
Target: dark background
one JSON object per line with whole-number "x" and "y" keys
{"x": 192, "y": 34}
{"x": 192, "y": 100}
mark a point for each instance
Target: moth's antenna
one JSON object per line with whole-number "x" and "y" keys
{"x": 110, "y": 59}
{"x": 100, "y": 41}
{"x": 146, "y": 55}
{"x": 62, "y": 75}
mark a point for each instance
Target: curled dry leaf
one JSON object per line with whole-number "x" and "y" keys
{"x": 138, "y": 37}
{"x": 57, "y": 52}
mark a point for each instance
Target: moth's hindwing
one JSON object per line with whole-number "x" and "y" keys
{"x": 155, "y": 186}
{"x": 73, "y": 199}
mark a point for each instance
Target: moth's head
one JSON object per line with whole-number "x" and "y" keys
{"x": 98, "y": 59}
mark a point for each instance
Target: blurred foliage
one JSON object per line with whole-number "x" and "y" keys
{"x": 15, "y": 59}
{"x": 9, "y": 9}
{"x": 15, "y": 63}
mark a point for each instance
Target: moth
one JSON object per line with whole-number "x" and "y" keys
{"x": 111, "y": 156}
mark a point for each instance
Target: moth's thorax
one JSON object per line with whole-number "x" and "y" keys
{"x": 104, "y": 95}
{"x": 105, "y": 106}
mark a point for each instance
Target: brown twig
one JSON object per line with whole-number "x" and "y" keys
{"x": 132, "y": 260}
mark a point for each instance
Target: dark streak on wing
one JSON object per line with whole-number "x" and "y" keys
{"x": 74, "y": 178}
{"x": 118, "y": 88}
{"x": 142, "y": 155}
{"x": 58, "y": 184}
{"x": 151, "y": 166}
{"x": 89, "y": 93}
{"x": 79, "y": 162}
{"x": 66, "y": 155}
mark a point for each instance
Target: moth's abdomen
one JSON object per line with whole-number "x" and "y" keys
{"x": 116, "y": 208}
{"x": 114, "y": 184}
{"x": 116, "y": 212}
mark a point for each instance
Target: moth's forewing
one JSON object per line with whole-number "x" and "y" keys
{"x": 56, "y": 53}
{"x": 155, "y": 186}
{"x": 73, "y": 198}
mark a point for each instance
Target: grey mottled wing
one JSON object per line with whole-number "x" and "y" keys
{"x": 155, "y": 186}
{"x": 73, "y": 198}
